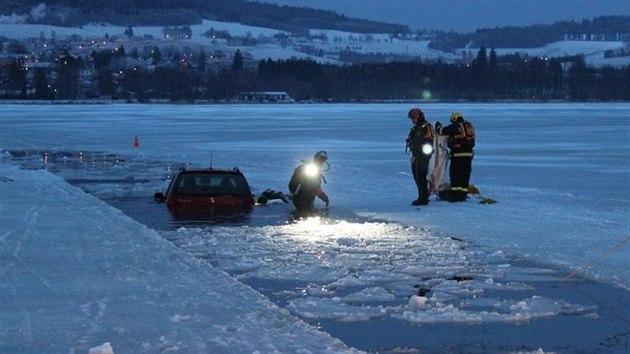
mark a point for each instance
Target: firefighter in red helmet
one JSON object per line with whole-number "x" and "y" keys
{"x": 420, "y": 143}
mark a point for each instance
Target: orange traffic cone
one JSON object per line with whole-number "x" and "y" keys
{"x": 136, "y": 143}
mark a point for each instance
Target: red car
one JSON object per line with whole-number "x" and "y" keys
{"x": 203, "y": 191}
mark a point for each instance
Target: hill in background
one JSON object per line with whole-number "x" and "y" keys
{"x": 189, "y": 12}
{"x": 298, "y": 20}
{"x": 241, "y": 46}
{"x": 605, "y": 28}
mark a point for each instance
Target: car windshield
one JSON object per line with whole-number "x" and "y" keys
{"x": 211, "y": 184}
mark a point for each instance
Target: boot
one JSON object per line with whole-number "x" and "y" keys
{"x": 420, "y": 201}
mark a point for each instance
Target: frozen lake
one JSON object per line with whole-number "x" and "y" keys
{"x": 561, "y": 174}
{"x": 560, "y": 171}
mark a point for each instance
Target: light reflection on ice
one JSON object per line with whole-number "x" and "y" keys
{"x": 314, "y": 229}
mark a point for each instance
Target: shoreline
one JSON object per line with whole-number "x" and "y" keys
{"x": 231, "y": 102}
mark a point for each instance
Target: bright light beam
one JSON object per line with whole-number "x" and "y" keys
{"x": 317, "y": 229}
{"x": 427, "y": 149}
{"x": 311, "y": 170}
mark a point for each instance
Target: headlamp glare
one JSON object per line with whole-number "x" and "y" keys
{"x": 311, "y": 170}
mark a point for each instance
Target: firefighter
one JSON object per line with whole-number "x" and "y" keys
{"x": 306, "y": 182}
{"x": 461, "y": 142}
{"x": 420, "y": 143}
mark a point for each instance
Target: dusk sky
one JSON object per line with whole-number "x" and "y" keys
{"x": 468, "y": 15}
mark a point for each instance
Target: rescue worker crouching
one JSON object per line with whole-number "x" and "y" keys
{"x": 420, "y": 143}
{"x": 305, "y": 183}
{"x": 461, "y": 142}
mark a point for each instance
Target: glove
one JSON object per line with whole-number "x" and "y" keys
{"x": 324, "y": 198}
{"x": 438, "y": 125}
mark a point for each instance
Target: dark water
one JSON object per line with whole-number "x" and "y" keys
{"x": 609, "y": 332}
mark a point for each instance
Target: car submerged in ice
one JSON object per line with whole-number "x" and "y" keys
{"x": 202, "y": 192}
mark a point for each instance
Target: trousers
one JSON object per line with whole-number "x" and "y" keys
{"x": 420, "y": 169}
{"x": 459, "y": 173}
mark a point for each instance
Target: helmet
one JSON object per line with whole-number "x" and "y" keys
{"x": 456, "y": 116}
{"x": 416, "y": 113}
{"x": 321, "y": 156}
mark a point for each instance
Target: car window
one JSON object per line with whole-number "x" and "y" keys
{"x": 236, "y": 184}
{"x": 211, "y": 184}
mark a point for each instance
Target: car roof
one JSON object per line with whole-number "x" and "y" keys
{"x": 210, "y": 170}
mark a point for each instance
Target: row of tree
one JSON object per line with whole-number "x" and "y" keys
{"x": 488, "y": 77}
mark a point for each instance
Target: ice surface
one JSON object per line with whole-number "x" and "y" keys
{"x": 109, "y": 276}
{"x": 561, "y": 210}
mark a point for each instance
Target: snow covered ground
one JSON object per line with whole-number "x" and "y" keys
{"x": 593, "y": 51}
{"x": 376, "y": 43}
{"x": 77, "y": 272}
{"x": 24, "y": 31}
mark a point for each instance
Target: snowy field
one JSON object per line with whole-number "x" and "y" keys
{"x": 593, "y": 51}
{"x": 87, "y": 259}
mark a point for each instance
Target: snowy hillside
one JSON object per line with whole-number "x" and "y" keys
{"x": 593, "y": 51}
{"x": 325, "y": 48}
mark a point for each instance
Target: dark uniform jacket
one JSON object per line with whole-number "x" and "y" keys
{"x": 460, "y": 142}
{"x": 419, "y": 135}
{"x": 302, "y": 183}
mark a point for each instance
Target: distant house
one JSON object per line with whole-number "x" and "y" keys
{"x": 264, "y": 96}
